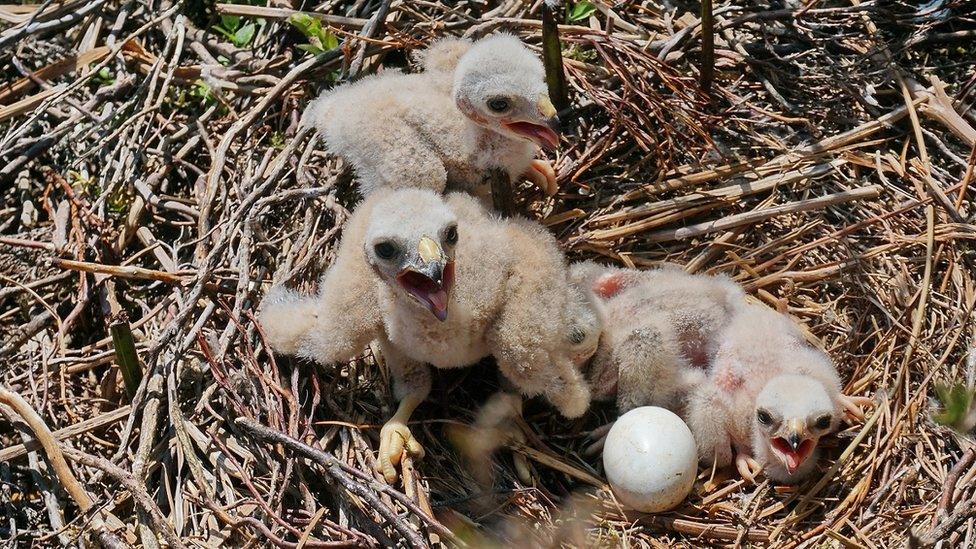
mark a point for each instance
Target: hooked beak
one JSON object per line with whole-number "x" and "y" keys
{"x": 543, "y": 135}
{"x": 793, "y": 447}
{"x": 430, "y": 279}
{"x": 546, "y": 107}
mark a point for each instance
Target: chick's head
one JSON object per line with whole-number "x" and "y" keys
{"x": 792, "y": 412}
{"x": 500, "y": 85}
{"x": 410, "y": 242}
{"x": 585, "y": 320}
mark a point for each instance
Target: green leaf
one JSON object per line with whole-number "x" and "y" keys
{"x": 105, "y": 75}
{"x": 201, "y": 90}
{"x": 224, "y": 32}
{"x": 956, "y": 402}
{"x": 312, "y": 49}
{"x": 320, "y": 39}
{"x": 329, "y": 40}
{"x": 244, "y": 35}
{"x": 580, "y": 11}
{"x": 306, "y": 24}
{"x": 230, "y": 22}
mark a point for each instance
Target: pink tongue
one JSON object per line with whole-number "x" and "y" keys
{"x": 548, "y": 137}
{"x": 792, "y": 460}
{"x": 438, "y": 299}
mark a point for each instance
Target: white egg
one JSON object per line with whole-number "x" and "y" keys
{"x": 650, "y": 459}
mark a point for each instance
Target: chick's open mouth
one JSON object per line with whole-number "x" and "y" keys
{"x": 542, "y": 135}
{"x": 793, "y": 458}
{"x": 429, "y": 292}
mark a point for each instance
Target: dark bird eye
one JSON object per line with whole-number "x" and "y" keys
{"x": 823, "y": 422}
{"x": 451, "y": 235}
{"x": 764, "y": 417}
{"x": 577, "y": 336}
{"x": 385, "y": 250}
{"x": 498, "y": 104}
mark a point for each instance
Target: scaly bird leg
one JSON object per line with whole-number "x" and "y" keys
{"x": 599, "y": 438}
{"x": 540, "y": 173}
{"x": 395, "y": 437}
{"x": 852, "y": 404}
{"x": 494, "y": 426}
{"x": 521, "y": 463}
{"x": 522, "y": 469}
{"x": 747, "y": 467}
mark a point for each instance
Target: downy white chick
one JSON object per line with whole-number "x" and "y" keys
{"x": 768, "y": 399}
{"x": 693, "y": 344}
{"x": 659, "y": 329}
{"x": 439, "y": 280}
{"x": 475, "y": 107}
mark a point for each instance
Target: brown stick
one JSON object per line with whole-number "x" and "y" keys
{"x": 502, "y": 196}
{"x": 707, "y": 70}
{"x": 949, "y": 487}
{"x": 284, "y": 13}
{"x": 118, "y": 270}
{"x": 159, "y": 523}
{"x": 711, "y": 531}
{"x": 938, "y": 106}
{"x": 14, "y": 452}
{"x": 552, "y": 57}
{"x": 959, "y": 515}
{"x": 726, "y": 193}
{"x": 756, "y": 216}
{"x": 341, "y": 474}
{"x": 55, "y": 457}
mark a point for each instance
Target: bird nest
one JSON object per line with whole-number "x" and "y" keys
{"x": 155, "y": 183}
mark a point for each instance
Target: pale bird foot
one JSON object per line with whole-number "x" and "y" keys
{"x": 747, "y": 467}
{"x": 852, "y": 405}
{"x": 520, "y": 462}
{"x": 395, "y": 439}
{"x": 599, "y": 438}
{"x": 478, "y": 445}
{"x": 540, "y": 173}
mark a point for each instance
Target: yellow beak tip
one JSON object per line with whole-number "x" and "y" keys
{"x": 546, "y": 107}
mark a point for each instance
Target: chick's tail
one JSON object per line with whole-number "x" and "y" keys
{"x": 287, "y": 317}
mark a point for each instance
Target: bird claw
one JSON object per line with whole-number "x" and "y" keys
{"x": 395, "y": 439}
{"x": 747, "y": 467}
{"x": 598, "y": 437}
{"x": 541, "y": 173}
{"x": 852, "y": 404}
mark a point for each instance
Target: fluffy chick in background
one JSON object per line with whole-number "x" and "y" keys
{"x": 741, "y": 375}
{"x": 659, "y": 330}
{"x": 475, "y": 107}
{"x": 439, "y": 280}
{"x": 768, "y": 399}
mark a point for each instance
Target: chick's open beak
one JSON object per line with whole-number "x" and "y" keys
{"x": 430, "y": 278}
{"x": 543, "y": 135}
{"x": 794, "y": 445}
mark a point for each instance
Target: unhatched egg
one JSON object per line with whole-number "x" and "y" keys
{"x": 650, "y": 459}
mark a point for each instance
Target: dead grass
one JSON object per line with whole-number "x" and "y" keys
{"x": 827, "y": 172}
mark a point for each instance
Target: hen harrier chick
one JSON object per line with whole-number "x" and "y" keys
{"x": 440, "y": 281}
{"x": 475, "y": 107}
